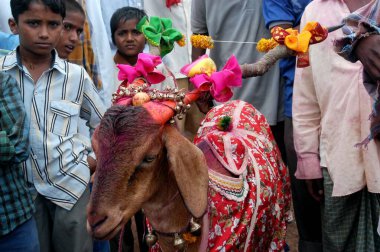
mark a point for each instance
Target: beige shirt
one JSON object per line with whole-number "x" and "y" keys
{"x": 330, "y": 112}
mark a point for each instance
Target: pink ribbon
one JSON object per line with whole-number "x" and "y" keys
{"x": 220, "y": 83}
{"x": 145, "y": 67}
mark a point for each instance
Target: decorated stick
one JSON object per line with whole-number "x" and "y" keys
{"x": 284, "y": 43}
{"x": 266, "y": 62}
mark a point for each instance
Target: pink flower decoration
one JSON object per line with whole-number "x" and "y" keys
{"x": 145, "y": 67}
{"x": 220, "y": 83}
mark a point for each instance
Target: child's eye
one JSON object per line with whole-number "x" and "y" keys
{"x": 121, "y": 33}
{"x": 54, "y": 24}
{"x": 79, "y": 32}
{"x": 136, "y": 32}
{"x": 67, "y": 27}
{"x": 33, "y": 23}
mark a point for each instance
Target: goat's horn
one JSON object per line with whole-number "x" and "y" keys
{"x": 163, "y": 111}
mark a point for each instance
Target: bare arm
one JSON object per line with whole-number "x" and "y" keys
{"x": 196, "y": 53}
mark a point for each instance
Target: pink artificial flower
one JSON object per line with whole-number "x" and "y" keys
{"x": 145, "y": 67}
{"x": 220, "y": 83}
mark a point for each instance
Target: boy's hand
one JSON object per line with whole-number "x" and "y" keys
{"x": 315, "y": 188}
{"x": 368, "y": 52}
{"x": 92, "y": 178}
{"x": 91, "y": 164}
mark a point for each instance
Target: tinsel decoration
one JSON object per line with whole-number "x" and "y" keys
{"x": 224, "y": 123}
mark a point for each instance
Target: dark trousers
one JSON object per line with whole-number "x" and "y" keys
{"x": 24, "y": 238}
{"x": 306, "y": 210}
{"x": 60, "y": 230}
{"x": 278, "y": 134}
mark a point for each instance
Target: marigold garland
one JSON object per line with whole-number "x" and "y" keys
{"x": 202, "y": 41}
{"x": 264, "y": 45}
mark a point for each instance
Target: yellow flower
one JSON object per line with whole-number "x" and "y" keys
{"x": 264, "y": 45}
{"x": 182, "y": 41}
{"x": 202, "y": 41}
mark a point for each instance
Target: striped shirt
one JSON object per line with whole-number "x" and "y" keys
{"x": 16, "y": 204}
{"x": 57, "y": 165}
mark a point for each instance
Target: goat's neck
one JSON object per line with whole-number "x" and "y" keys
{"x": 166, "y": 210}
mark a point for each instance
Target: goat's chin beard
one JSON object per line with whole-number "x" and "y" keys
{"x": 109, "y": 228}
{"x": 104, "y": 236}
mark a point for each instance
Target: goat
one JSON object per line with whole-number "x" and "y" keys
{"x": 150, "y": 165}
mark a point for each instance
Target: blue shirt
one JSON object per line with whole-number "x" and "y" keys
{"x": 16, "y": 204}
{"x": 285, "y": 12}
{"x": 8, "y": 41}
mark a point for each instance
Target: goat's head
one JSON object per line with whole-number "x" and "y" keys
{"x": 135, "y": 157}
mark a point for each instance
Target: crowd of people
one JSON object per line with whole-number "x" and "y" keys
{"x": 58, "y": 72}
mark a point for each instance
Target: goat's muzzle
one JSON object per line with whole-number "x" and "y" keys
{"x": 101, "y": 225}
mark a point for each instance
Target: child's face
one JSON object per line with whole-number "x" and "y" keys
{"x": 129, "y": 41}
{"x": 39, "y": 29}
{"x": 72, "y": 29}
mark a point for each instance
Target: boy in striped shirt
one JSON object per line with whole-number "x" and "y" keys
{"x": 56, "y": 94}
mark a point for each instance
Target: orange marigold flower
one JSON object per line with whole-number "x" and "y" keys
{"x": 202, "y": 41}
{"x": 264, "y": 45}
{"x": 182, "y": 41}
{"x": 189, "y": 238}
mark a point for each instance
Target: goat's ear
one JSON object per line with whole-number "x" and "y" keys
{"x": 190, "y": 170}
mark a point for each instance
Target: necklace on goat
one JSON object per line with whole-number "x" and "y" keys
{"x": 140, "y": 93}
{"x": 188, "y": 235}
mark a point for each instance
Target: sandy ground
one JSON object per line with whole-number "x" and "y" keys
{"x": 292, "y": 237}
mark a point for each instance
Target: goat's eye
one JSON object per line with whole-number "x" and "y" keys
{"x": 149, "y": 159}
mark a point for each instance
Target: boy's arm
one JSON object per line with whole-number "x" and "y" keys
{"x": 7, "y": 150}
{"x": 14, "y": 128}
{"x": 92, "y": 108}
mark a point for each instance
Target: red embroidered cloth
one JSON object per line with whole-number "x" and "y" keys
{"x": 255, "y": 204}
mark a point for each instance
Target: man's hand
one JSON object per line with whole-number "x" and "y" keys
{"x": 315, "y": 188}
{"x": 91, "y": 164}
{"x": 368, "y": 52}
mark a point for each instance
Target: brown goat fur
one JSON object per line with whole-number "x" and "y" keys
{"x": 142, "y": 164}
